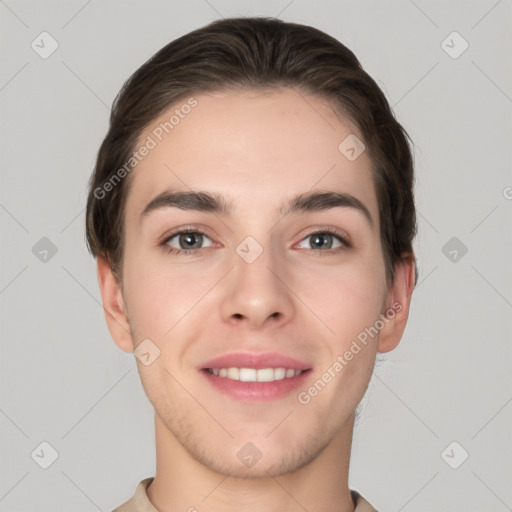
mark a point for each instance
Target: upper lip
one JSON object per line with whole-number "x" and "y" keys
{"x": 253, "y": 360}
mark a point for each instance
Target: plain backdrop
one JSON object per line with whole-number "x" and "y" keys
{"x": 445, "y": 394}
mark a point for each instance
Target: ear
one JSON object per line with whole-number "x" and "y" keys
{"x": 114, "y": 307}
{"x": 397, "y": 305}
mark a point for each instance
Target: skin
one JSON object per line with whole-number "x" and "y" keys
{"x": 257, "y": 149}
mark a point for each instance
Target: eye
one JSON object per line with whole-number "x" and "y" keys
{"x": 324, "y": 241}
{"x": 191, "y": 242}
{"x": 186, "y": 241}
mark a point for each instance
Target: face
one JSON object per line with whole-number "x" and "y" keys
{"x": 243, "y": 276}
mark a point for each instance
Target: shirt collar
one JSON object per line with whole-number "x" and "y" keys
{"x": 140, "y": 501}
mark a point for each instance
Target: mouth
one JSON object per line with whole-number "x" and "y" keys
{"x": 255, "y": 377}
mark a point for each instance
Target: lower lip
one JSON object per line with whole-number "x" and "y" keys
{"x": 256, "y": 391}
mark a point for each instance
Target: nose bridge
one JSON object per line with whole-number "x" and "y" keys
{"x": 256, "y": 293}
{"x": 253, "y": 263}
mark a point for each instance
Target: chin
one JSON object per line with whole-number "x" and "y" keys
{"x": 257, "y": 460}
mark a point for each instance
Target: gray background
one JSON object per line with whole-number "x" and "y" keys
{"x": 64, "y": 381}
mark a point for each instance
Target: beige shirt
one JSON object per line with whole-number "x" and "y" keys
{"x": 140, "y": 502}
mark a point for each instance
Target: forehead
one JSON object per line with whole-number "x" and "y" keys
{"x": 254, "y": 147}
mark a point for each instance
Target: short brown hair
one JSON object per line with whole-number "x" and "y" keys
{"x": 255, "y": 53}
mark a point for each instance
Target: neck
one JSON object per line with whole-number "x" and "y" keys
{"x": 182, "y": 483}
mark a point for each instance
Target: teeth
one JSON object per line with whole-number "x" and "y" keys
{"x": 253, "y": 375}
{"x": 266, "y": 375}
{"x": 246, "y": 374}
{"x": 234, "y": 373}
{"x": 279, "y": 373}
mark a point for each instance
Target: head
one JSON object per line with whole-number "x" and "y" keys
{"x": 247, "y": 118}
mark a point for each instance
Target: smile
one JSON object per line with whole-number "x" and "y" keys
{"x": 255, "y": 375}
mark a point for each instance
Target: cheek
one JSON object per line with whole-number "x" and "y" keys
{"x": 347, "y": 299}
{"x": 161, "y": 304}
{"x": 161, "y": 295}
{"x": 159, "y": 386}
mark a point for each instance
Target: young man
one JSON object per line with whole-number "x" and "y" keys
{"x": 252, "y": 216}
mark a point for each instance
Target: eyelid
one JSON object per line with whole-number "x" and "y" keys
{"x": 180, "y": 230}
{"x": 189, "y": 228}
{"x": 185, "y": 232}
{"x": 342, "y": 235}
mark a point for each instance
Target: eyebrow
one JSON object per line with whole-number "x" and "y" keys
{"x": 217, "y": 204}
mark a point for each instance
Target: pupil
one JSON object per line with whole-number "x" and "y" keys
{"x": 188, "y": 240}
{"x": 323, "y": 241}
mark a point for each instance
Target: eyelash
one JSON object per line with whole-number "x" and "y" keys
{"x": 191, "y": 252}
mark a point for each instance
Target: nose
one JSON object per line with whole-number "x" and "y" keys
{"x": 256, "y": 294}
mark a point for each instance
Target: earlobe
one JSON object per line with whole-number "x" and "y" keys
{"x": 113, "y": 306}
{"x": 397, "y": 305}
